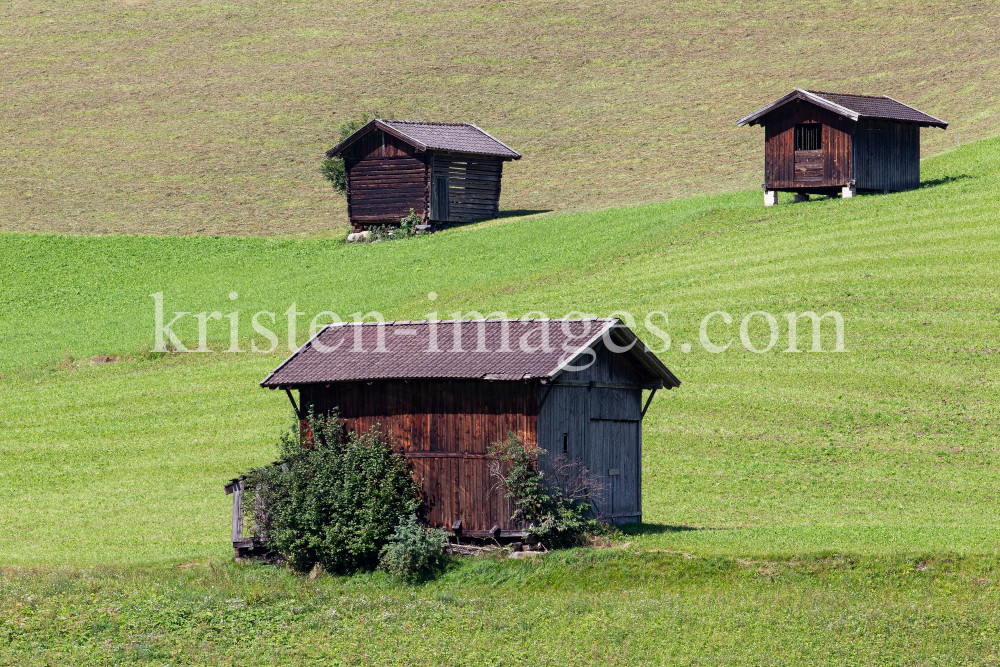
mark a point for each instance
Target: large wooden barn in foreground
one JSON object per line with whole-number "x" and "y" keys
{"x": 445, "y": 172}
{"x": 445, "y": 391}
{"x": 830, "y": 143}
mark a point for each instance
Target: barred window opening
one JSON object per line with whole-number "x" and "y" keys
{"x": 809, "y": 137}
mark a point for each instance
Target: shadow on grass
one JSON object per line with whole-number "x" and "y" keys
{"x": 944, "y": 180}
{"x": 657, "y": 528}
{"x": 519, "y": 212}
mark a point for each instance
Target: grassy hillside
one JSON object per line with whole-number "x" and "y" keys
{"x": 887, "y": 448}
{"x": 176, "y": 117}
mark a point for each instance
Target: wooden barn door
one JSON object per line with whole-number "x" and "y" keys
{"x": 615, "y": 454}
{"x": 613, "y": 451}
{"x": 809, "y": 154}
{"x": 441, "y": 209}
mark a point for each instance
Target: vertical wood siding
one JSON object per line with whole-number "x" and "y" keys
{"x": 887, "y": 154}
{"x": 444, "y": 428}
{"x": 473, "y": 187}
{"x": 385, "y": 179}
{"x": 601, "y": 428}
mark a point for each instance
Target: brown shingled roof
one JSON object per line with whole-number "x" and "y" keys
{"x": 452, "y": 137}
{"x": 485, "y": 349}
{"x": 851, "y": 106}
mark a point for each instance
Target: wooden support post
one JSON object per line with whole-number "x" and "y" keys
{"x": 237, "y": 534}
{"x": 294, "y": 406}
{"x": 648, "y": 401}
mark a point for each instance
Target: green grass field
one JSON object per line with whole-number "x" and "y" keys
{"x": 181, "y": 116}
{"x": 801, "y": 508}
{"x": 612, "y": 607}
{"x": 890, "y": 445}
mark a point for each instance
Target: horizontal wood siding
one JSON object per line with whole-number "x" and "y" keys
{"x": 830, "y": 168}
{"x": 445, "y": 429}
{"x": 385, "y": 179}
{"x": 473, "y": 186}
{"x": 887, "y": 155}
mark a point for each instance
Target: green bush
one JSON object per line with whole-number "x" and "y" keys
{"x": 558, "y": 519}
{"x": 332, "y": 168}
{"x": 336, "y": 501}
{"x": 414, "y": 551}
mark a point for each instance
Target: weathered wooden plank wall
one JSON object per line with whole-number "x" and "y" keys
{"x": 385, "y": 179}
{"x": 887, "y": 155}
{"x": 780, "y": 158}
{"x": 473, "y": 186}
{"x": 444, "y": 428}
{"x": 600, "y": 427}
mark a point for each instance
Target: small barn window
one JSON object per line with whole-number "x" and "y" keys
{"x": 809, "y": 137}
{"x": 565, "y": 442}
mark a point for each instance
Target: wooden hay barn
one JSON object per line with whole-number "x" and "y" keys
{"x": 445, "y": 172}
{"x": 445, "y": 391}
{"x": 830, "y": 143}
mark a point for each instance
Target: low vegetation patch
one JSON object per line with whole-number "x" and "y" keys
{"x": 407, "y": 228}
{"x": 414, "y": 551}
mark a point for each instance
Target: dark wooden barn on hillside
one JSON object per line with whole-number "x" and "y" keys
{"x": 829, "y": 143}
{"x": 445, "y": 172}
{"x": 444, "y": 391}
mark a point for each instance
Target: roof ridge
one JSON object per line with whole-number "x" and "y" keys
{"x": 497, "y": 319}
{"x": 426, "y": 122}
{"x": 830, "y": 92}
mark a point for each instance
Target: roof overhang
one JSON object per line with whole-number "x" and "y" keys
{"x": 937, "y": 121}
{"x": 368, "y": 127}
{"x": 420, "y": 147}
{"x": 621, "y": 336}
{"x": 612, "y": 333}
{"x": 797, "y": 94}
{"x": 760, "y": 114}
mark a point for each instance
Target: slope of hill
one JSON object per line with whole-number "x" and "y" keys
{"x": 188, "y": 117}
{"x": 889, "y": 447}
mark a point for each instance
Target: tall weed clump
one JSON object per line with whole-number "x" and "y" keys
{"x": 559, "y": 514}
{"x": 414, "y": 552}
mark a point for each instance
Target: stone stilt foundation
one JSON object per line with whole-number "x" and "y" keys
{"x": 848, "y": 191}
{"x": 770, "y": 197}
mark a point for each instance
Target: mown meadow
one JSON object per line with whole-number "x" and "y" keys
{"x": 200, "y": 117}
{"x": 830, "y": 508}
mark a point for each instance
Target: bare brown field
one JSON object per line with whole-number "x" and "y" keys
{"x": 176, "y": 117}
